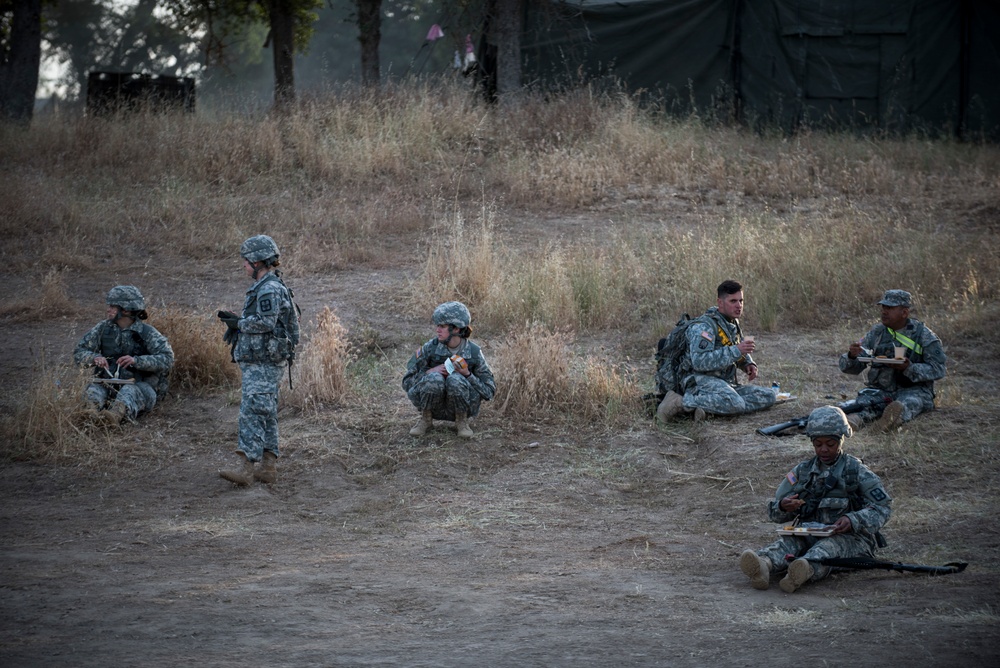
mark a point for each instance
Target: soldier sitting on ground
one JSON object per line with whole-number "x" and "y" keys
{"x": 131, "y": 357}
{"x": 448, "y": 377}
{"x": 705, "y": 372}
{"x": 833, "y": 490}
{"x": 910, "y": 384}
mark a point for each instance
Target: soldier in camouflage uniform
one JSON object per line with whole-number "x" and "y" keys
{"x": 910, "y": 385}
{"x": 448, "y": 377}
{"x": 265, "y": 338}
{"x": 125, "y": 347}
{"x": 716, "y": 349}
{"x": 832, "y": 489}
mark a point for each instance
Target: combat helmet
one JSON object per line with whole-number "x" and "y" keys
{"x": 127, "y": 297}
{"x": 828, "y": 421}
{"x": 452, "y": 313}
{"x": 259, "y": 247}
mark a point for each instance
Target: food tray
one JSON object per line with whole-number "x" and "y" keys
{"x": 888, "y": 361}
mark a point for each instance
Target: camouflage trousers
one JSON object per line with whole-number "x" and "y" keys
{"x": 444, "y": 397}
{"x": 915, "y": 400}
{"x": 718, "y": 397}
{"x": 816, "y": 549}
{"x": 137, "y": 398}
{"x": 259, "y": 409}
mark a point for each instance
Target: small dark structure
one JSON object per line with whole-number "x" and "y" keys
{"x": 115, "y": 92}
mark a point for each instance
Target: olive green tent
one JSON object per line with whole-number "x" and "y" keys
{"x": 897, "y": 65}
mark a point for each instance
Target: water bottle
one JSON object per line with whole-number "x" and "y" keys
{"x": 776, "y": 388}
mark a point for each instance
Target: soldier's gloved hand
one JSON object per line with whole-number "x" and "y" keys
{"x": 231, "y": 319}
{"x": 231, "y": 335}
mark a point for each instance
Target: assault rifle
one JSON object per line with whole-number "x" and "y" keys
{"x": 865, "y": 563}
{"x": 867, "y": 399}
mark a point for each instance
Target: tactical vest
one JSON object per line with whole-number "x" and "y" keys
{"x": 280, "y": 344}
{"x": 133, "y": 344}
{"x": 818, "y": 489}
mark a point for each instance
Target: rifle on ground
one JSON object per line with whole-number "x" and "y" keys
{"x": 864, "y": 563}
{"x": 864, "y": 400}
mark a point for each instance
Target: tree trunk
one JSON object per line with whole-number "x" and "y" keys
{"x": 19, "y": 71}
{"x": 507, "y": 26}
{"x": 369, "y": 34}
{"x": 283, "y": 44}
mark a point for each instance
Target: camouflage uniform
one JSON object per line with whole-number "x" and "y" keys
{"x": 260, "y": 352}
{"x": 152, "y": 352}
{"x": 867, "y": 505}
{"x": 446, "y": 396}
{"x": 845, "y": 488}
{"x": 711, "y": 362}
{"x": 914, "y": 387}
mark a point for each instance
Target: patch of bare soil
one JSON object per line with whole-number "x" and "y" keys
{"x": 541, "y": 542}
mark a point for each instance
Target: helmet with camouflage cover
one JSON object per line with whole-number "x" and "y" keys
{"x": 828, "y": 421}
{"x": 259, "y": 247}
{"x": 127, "y": 297}
{"x": 452, "y": 313}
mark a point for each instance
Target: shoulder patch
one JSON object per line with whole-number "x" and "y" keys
{"x": 707, "y": 336}
{"x": 790, "y": 476}
{"x": 266, "y": 304}
{"x": 419, "y": 353}
{"x": 877, "y": 494}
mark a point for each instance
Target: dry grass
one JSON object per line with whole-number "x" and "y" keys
{"x": 51, "y": 301}
{"x": 532, "y": 371}
{"x": 321, "y": 366}
{"x": 538, "y": 373}
{"x": 202, "y": 361}
{"x": 49, "y": 424}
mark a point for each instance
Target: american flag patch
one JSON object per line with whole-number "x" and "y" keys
{"x": 420, "y": 351}
{"x": 791, "y": 477}
{"x": 708, "y": 336}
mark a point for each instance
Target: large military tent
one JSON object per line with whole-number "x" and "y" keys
{"x": 897, "y": 65}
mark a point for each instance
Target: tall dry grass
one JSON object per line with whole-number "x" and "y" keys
{"x": 798, "y": 271}
{"x": 355, "y": 166}
{"x": 320, "y": 367}
{"x": 48, "y": 423}
{"x": 538, "y": 372}
{"x": 202, "y": 360}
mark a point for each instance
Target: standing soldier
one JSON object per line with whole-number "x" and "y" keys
{"x": 124, "y": 348}
{"x": 448, "y": 376}
{"x": 263, "y": 339}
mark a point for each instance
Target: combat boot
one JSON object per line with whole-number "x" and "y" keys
{"x": 672, "y": 404}
{"x": 267, "y": 473}
{"x": 462, "y": 426}
{"x": 700, "y": 415}
{"x": 243, "y": 477}
{"x": 891, "y": 418}
{"x": 799, "y": 573}
{"x": 426, "y": 422}
{"x": 757, "y": 568}
{"x": 856, "y": 421}
{"x": 113, "y": 416}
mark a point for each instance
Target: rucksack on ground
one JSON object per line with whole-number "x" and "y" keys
{"x": 670, "y": 351}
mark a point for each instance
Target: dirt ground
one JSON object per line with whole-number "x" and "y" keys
{"x": 537, "y": 543}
